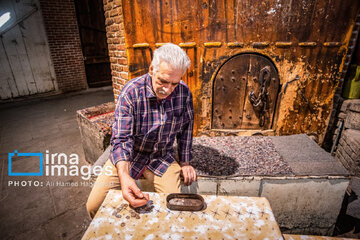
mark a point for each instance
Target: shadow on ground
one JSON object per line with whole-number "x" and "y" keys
{"x": 209, "y": 161}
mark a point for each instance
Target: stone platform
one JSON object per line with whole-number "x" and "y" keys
{"x": 305, "y": 189}
{"x": 95, "y": 128}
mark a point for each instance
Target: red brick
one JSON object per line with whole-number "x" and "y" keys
{"x": 116, "y": 74}
{"x": 114, "y": 12}
{"x": 113, "y": 59}
{"x": 116, "y": 86}
{"x": 116, "y": 44}
{"x": 110, "y": 35}
{"x": 124, "y": 75}
{"x": 115, "y": 40}
{"x": 109, "y": 21}
{"x": 111, "y": 47}
{"x": 120, "y": 53}
{"x": 64, "y": 43}
{"x": 108, "y": 7}
{"x": 120, "y": 47}
{"x": 114, "y": 28}
{"x": 122, "y": 61}
{"x": 118, "y": 19}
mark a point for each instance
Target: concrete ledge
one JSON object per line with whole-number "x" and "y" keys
{"x": 202, "y": 186}
{"x": 311, "y": 204}
{"x": 239, "y": 187}
{"x": 301, "y": 204}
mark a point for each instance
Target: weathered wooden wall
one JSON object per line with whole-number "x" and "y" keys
{"x": 305, "y": 38}
{"x": 25, "y": 64}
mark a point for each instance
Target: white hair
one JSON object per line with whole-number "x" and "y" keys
{"x": 171, "y": 54}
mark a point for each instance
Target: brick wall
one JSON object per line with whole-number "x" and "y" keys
{"x": 64, "y": 42}
{"x": 114, "y": 23}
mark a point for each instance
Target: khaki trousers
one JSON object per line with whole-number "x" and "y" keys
{"x": 168, "y": 183}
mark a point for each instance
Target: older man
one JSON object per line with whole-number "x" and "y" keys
{"x": 152, "y": 111}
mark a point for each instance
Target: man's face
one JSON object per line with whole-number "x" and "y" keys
{"x": 165, "y": 80}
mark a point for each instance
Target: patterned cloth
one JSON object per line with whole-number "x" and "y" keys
{"x": 145, "y": 128}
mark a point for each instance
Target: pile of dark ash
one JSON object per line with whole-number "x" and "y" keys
{"x": 237, "y": 156}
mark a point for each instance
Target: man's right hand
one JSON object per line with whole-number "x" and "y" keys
{"x": 130, "y": 190}
{"x": 132, "y": 193}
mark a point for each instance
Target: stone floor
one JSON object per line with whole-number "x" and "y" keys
{"x": 47, "y": 211}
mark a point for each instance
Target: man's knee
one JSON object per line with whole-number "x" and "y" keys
{"x": 91, "y": 208}
{"x": 170, "y": 181}
{"x": 95, "y": 200}
{"x": 101, "y": 187}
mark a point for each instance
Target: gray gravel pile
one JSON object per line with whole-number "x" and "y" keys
{"x": 237, "y": 156}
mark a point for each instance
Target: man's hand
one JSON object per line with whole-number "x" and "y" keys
{"x": 132, "y": 193}
{"x": 188, "y": 173}
{"x": 130, "y": 190}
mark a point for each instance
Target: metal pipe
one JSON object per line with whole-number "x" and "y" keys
{"x": 297, "y": 77}
{"x": 337, "y": 137}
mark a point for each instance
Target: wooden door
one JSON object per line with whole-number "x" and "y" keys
{"x": 91, "y": 22}
{"x": 245, "y": 93}
{"x": 25, "y": 63}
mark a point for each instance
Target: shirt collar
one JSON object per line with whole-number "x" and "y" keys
{"x": 149, "y": 90}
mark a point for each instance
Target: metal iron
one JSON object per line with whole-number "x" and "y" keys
{"x": 185, "y": 202}
{"x": 260, "y": 103}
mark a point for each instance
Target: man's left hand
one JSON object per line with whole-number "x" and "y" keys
{"x": 189, "y": 174}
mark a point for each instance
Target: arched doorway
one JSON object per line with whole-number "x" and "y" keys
{"x": 245, "y": 93}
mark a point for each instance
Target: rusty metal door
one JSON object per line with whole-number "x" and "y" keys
{"x": 245, "y": 93}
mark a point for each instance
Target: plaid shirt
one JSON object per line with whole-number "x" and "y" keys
{"x": 145, "y": 128}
